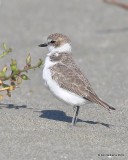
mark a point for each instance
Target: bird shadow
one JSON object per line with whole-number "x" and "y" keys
{"x": 61, "y": 116}
{"x": 12, "y": 106}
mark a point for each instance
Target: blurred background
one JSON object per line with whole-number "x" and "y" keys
{"x": 98, "y": 33}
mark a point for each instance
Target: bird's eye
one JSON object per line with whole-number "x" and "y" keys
{"x": 52, "y": 41}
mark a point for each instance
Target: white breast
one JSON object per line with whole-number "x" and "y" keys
{"x": 46, "y": 71}
{"x": 66, "y": 96}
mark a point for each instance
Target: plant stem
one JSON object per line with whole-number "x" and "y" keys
{"x": 19, "y": 72}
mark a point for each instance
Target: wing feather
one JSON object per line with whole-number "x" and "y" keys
{"x": 69, "y": 79}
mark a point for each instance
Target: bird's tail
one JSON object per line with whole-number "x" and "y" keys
{"x": 95, "y": 99}
{"x": 104, "y": 104}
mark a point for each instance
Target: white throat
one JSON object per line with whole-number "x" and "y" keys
{"x": 64, "y": 48}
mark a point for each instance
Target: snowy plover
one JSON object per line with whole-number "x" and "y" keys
{"x": 64, "y": 78}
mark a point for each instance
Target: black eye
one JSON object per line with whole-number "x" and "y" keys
{"x": 52, "y": 41}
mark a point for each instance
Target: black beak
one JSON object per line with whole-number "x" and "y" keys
{"x": 43, "y": 45}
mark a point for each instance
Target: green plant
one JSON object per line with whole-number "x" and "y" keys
{"x": 11, "y": 81}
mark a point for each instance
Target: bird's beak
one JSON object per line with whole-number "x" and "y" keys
{"x": 43, "y": 45}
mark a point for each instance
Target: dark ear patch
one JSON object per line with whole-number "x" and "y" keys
{"x": 52, "y": 41}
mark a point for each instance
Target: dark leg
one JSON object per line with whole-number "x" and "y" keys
{"x": 76, "y": 111}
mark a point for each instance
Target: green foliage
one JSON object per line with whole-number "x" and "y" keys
{"x": 6, "y": 50}
{"x": 16, "y": 76}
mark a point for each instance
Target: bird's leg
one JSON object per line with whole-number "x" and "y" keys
{"x": 76, "y": 111}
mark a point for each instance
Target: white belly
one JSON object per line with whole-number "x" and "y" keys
{"x": 64, "y": 95}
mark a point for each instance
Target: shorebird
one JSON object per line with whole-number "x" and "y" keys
{"x": 64, "y": 78}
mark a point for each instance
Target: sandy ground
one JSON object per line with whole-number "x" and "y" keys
{"x": 36, "y": 126}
